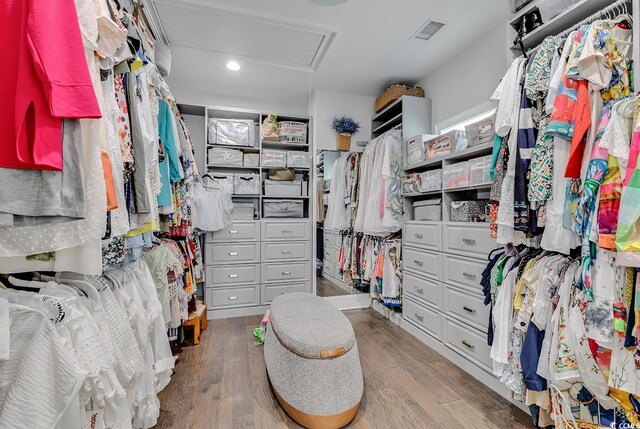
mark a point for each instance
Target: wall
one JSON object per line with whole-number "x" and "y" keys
{"x": 469, "y": 78}
{"x": 326, "y": 105}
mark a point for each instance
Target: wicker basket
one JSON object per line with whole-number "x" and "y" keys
{"x": 394, "y": 92}
{"x": 563, "y": 417}
{"x": 343, "y": 141}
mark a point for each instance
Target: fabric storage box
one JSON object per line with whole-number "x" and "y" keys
{"x": 431, "y": 180}
{"x": 416, "y": 148}
{"x": 274, "y": 158}
{"x": 244, "y": 211}
{"x": 246, "y": 184}
{"x": 296, "y": 158}
{"x": 292, "y": 132}
{"x": 456, "y": 175}
{"x": 479, "y": 170}
{"x": 481, "y": 132}
{"x": 437, "y": 146}
{"x": 223, "y": 181}
{"x": 549, "y": 9}
{"x": 282, "y": 189}
{"x": 430, "y": 210}
{"x": 469, "y": 211}
{"x": 224, "y": 156}
{"x": 252, "y": 160}
{"x": 411, "y": 183}
{"x": 234, "y": 132}
{"x": 458, "y": 140}
{"x": 283, "y": 208}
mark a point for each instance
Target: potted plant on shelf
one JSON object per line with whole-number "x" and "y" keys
{"x": 345, "y": 127}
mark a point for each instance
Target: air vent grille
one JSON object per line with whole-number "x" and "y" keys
{"x": 428, "y": 30}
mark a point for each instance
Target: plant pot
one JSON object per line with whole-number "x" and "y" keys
{"x": 343, "y": 141}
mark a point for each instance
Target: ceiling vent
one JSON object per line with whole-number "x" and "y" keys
{"x": 428, "y": 30}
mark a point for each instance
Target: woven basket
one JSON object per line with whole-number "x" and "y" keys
{"x": 343, "y": 141}
{"x": 394, "y": 92}
{"x": 563, "y": 417}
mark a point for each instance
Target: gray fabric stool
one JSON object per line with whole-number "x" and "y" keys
{"x": 312, "y": 361}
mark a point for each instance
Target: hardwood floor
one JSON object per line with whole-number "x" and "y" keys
{"x": 222, "y": 383}
{"x": 326, "y": 288}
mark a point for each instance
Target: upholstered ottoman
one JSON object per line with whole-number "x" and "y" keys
{"x": 312, "y": 360}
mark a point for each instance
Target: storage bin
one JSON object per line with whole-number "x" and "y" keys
{"x": 283, "y": 208}
{"x": 296, "y": 158}
{"x": 479, "y": 170}
{"x": 282, "y": 189}
{"x": 481, "y": 132}
{"x": 430, "y": 210}
{"x": 224, "y": 156}
{"x": 458, "y": 140}
{"x": 431, "y": 180}
{"x": 469, "y": 211}
{"x": 411, "y": 183}
{"x": 222, "y": 181}
{"x": 549, "y": 9}
{"x": 244, "y": 211}
{"x": 252, "y": 160}
{"x": 274, "y": 158}
{"x": 416, "y": 148}
{"x": 292, "y": 132}
{"x": 246, "y": 184}
{"x": 516, "y": 5}
{"x": 456, "y": 175}
{"x": 234, "y": 132}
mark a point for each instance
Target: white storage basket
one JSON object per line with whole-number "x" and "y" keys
{"x": 233, "y": 132}
{"x": 276, "y": 188}
{"x": 456, "y": 175}
{"x": 293, "y": 132}
{"x": 246, "y": 184}
{"x": 296, "y": 158}
{"x": 431, "y": 180}
{"x": 222, "y": 181}
{"x": 429, "y": 210}
{"x": 244, "y": 211}
{"x": 283, "y": 208}
{"x": 274, "y": 158}
{"x": 224, "y": 156}
{"x": 479, "y": 170}
{"x": 252, "y": 160}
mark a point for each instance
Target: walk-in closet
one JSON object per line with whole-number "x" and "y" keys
{"x": 320, "y": 214}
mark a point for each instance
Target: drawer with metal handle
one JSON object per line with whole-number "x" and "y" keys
{"x": 231, "y": 253}
{"x": 466, "y": 306}
{"x": 463, "y": 272}
{"x": 471, "y": 240}
{"x": 238, "y": 231}
{"x": 273, "y": 230}
{"x": 329, "y": 268}
{"x": 423, "y": 234}
{"x": 424, "y": 317}
{"x": 468, "y": 342}
{"x": 272, "y": 291}
{"x": 289, "y": 251}
{"x": 243, "y": 296}
{"x": 421, "y": 288}
{"x": 332, "y": 238}
{"x": 331, "y": 254}
{"x": 217, "y": 276}
{"x": 289, "y": 272}
{"x": 421, "y": 261}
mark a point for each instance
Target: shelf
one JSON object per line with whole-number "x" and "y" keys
{"x": 379, "y": 117}
{"x": 423, "y": 194}
{"x": 242, "y": 148}
{"x": 245, "y": 195}
{"x": 233, "y": 167}
{"x": 390, "y": 123}
{"x": 285, "y": 197}
{"x": 469, "y": 153}
{"x": 285, "y": 145}
{"x": 470, "y": 188}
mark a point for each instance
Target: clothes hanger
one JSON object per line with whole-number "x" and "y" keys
{"x": 27, "y": 284}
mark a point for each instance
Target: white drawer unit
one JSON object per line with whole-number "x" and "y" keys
{"x": 470, "y": 240}
{"x": 469, "y": 343}
{"x": 289, "y": 230}
{"x": 244, "y": 296}
{"x": 466, "y": 306}
{"x": 233, "y": 253}
{"x": 421, "y": 288}
{"x": 288, "y": 251}
{"x": 329, "y": 268}
{"x": 331, "y": 254}
{"x": 422, "y": 261}
{"x": 233, "y": 275}
{"x": 423, "y": 234}
{"x": 286, "y": 272}
{"x": 272, "y": 291}
{"x": 332, "y": 239}
{"x": 238, "y": 231}
{"x": 463, "y": 272}
{"x": 425, "y": 317}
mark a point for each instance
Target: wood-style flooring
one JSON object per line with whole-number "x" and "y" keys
{"x": 222, "y": 383}
{"x": 326, "y": 288}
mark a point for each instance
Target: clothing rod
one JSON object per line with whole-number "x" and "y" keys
{"x": 621, "y": 5}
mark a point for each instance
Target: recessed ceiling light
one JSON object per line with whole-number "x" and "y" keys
{"x": 233, "y": 66}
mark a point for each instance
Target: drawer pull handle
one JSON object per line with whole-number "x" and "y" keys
{"x": 286, "y": 231}
{"x": 418, "y": 263}
{"x": 469, "y": 275}
{"x": 420, "y": 291}
{"x": 286, "y": 273}
{"x": 233, "y": 276}
{"x": 420, "y": 318}
{"x": 469, "y": 241}
{"x": 233, "y": 232}
{"x": 466, "y": 344}
{"x": 419, "y": 236}
{"x": 286, "y": 252}
{"x": 467, "y": 309}
{"x": 233, "y": 253}
{"x": 233, "y": 298}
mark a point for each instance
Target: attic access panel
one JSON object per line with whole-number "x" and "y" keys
{"x": 242, "y": 34}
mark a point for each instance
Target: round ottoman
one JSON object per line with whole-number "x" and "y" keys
{"x": 312, "y": 361}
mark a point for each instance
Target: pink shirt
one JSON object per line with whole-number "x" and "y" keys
{"x": 44, "y": 78}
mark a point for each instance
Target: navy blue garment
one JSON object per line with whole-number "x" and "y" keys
{"x": 529, "y": 357}
{"x": 485, "y": 282}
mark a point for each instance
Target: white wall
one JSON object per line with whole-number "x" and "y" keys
{"x": 469, "y": 78}
{"x": 326, "y": 105}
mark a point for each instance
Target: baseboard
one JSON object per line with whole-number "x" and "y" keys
{"x": 236, "y": 312}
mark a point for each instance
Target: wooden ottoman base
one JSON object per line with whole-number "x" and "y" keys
{"x": 311, "y": 421}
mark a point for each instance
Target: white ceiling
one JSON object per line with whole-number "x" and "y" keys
{"x": 373, "y": 47}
